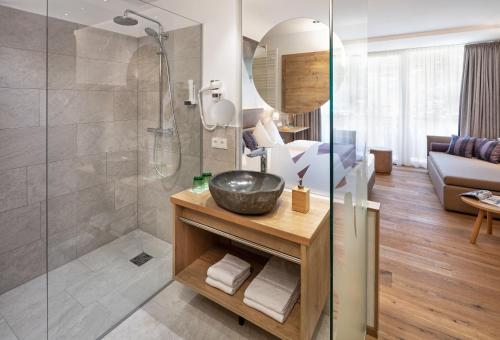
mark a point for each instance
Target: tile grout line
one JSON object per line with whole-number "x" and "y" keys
{"x": 10, "y": 327}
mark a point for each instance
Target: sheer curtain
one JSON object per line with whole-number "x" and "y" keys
{"x": 411, "y": 94}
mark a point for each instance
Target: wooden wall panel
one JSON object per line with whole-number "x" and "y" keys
{"x": 305, "y": 81}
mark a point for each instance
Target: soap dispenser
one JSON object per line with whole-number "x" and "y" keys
{"x": 300, "y": 198}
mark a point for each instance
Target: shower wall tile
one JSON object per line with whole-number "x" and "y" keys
{"x": 61, "y": 178}
{"x": 66, "y": 176}
{"x": 95, "y": 106}
{"x": 96, "y": 214}
{"x": 187, "y": 42}
{"x": 105, "y": 75}
{"x": 148, "y": 76}
{"x": 91, "y": 138}
{"x": 122, "y": 135}
{"x": 90, "y": 170}
{"x": 20, "y": 108}
{"x": 92, "y": 141}
{"x": 148, "y": 49}
{"x": 124, "y": 221}
{"x": 121, "y": 164}
{"x": 61, "y": 142}
{"x": 21, "y": 265}
{"x": 13, "y": 193}
{"x": 19, "y": 227}
{"x": 61, "y": 37}
{"x": 149, "y": 104}
{"x": 62, "y": 215}
{"x": 21, "y": 147}
{"x": 125, "y": 105}
{"x": 36, "y": 183}
{"x": 154, "y": 210}
{"x": 62, "y": 105}
{"x": 216, "y": 166}
{"x": 125, "y": 191}
{"x": 62, "y": 72}
{"x": 95, "y": 206}
{"x": 219, "y": 154}
{"x": 22, "y": 68}
{"x": 20, "y": 29}
{"x": 186, "y": 68}
{"x": 112, "y": 46}
{"x": 61, "y": 248}
{"x": 107, "y": 137}
{"x": 155, "y": 215}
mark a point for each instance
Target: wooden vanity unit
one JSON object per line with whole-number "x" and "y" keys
{"x": 204, "y": 233}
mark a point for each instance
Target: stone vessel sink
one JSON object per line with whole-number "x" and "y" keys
{"x": 246, "y": 192}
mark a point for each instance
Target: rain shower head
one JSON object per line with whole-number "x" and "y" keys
{"x": 125, "y": 20}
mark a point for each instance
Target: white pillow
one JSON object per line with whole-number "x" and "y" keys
{"x": 273, "y": 132}
{"x": 261, "y": 136}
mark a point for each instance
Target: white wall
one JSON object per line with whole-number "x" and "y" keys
{"x": 221, "y": 41}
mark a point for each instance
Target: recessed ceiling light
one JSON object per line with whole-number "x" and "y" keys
{"x": 66, "y": 14}
{"x": 82, "y": 8}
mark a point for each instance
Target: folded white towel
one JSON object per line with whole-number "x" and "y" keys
{"x": 281, "y": 273}
{"x": 280, "y": 317}
{"x": 225, "y": 288}
{"x": 228, "y": 270}
{"x": 275, "y": 285}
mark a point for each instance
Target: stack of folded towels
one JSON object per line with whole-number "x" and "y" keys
{"x": 228, "y": 274}
{"x": 275, "y": 290}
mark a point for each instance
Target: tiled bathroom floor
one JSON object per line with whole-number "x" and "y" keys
{"x": 88, "y": 295}
{"x": 179, "y": 313}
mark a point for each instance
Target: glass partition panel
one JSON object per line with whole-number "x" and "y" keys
{"x": 23, "y": 279}
{"x": 353, "y": 300}
{"x": 120, "y": 142}
{"x": 285, "y": 96}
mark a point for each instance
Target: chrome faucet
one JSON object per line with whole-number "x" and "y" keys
{"x": 262, "y": 153}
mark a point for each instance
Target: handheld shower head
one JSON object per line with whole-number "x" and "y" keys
{"x": 151, "y": 32}
{"x": 125, "y": 20}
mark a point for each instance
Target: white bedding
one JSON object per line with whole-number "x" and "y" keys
{"x": 298, "y": 146}
{"x": 280, "y": 161}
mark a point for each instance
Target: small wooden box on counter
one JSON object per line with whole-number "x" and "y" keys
{"x": 301, "y": 199}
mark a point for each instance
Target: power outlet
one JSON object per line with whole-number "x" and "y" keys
{"x": 219, "y": 143}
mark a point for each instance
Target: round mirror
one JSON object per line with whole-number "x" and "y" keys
{"x": 290, "y": 66}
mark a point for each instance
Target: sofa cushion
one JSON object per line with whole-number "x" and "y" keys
{"x": 466, "y": 172}
{"x": 462, "y": 146}
{"x": 489, "y": 150}
{"x": 440, "y": 147}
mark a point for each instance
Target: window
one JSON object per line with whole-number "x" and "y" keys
{"x": 410, "y": 94}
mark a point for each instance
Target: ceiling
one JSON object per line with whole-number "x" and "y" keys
{"x": 99, "y": 13}
{"x": 299, "y": 25}
{"x": 390, "y": 24}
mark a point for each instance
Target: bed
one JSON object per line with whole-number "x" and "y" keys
{"x": 310, "y": 156}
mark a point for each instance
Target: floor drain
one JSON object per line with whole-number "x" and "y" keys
{"x": 140, "y": 259}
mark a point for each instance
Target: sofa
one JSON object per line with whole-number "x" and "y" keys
{"x": 453, "y": 175}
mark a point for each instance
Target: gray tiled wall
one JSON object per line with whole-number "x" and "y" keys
{"x": 102, "y": 95}
{"x": 92, "y": 142}
{"x": 184, "y": 52}
{"x": 22, "y": 145}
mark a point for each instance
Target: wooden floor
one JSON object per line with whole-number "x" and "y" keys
{"x": 433, "y": 283}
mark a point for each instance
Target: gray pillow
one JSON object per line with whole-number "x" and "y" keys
{"x": 249, "y": 140}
